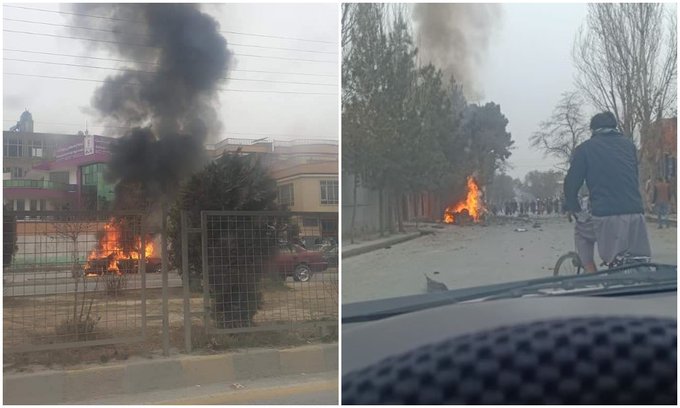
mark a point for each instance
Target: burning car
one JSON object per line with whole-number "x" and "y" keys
{"x": 298, "y": 262}
{"x": 119, "y": 250}
{"x": 100, "y": 266}
{"x": 468, "y": 211}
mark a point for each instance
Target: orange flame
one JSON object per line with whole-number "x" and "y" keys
{"x": 111, "y": 248}
{"x": 472, "y": 203}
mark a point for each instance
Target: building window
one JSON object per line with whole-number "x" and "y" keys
{"x": 329, "y": 191}
{"x": 33, "y": 205}
{"x": 13, "y": 148}
{"x": 21, "y": 205}
{"x": 329, "y": 228}
{"x": 59, "y": 177}
{"x": 35, "y": 148}
{"x": 15, "y": 172}
{"x": 286, "y": 195}
{"x": 95, "y": 191}
{"x": 310, "y": 222}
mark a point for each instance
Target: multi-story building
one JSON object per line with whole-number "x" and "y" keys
{"x": 70, "y": 177}
{"x": 658, "y": 155}
{"x": 48, "y": 171}
{"x": 56, "y": 171}
{"x": 306, "y": 172}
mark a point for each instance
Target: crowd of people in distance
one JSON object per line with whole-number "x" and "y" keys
{"x": 539, "y": 207}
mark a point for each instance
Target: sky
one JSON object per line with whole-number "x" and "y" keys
{"x": 528, "y": 67}
{"x": 284, "y": 111}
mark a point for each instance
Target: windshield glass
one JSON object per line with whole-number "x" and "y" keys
{"x": 478, "y": 148}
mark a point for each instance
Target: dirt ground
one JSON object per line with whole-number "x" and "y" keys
{"x": 39, "y": 320}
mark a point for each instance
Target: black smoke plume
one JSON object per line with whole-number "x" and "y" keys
{"x": 455, "y": 38}
{"x": 176, "y": 60}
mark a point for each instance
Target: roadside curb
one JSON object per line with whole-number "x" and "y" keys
{"x": 369, "y": 247}
{"x": 72, "y": 385}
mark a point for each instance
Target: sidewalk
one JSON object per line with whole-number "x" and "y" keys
{"x": 140, "y": 376}
{"x": 358, "y": 248}
{"x": 298, "y": 389}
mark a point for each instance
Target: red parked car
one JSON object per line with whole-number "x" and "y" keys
{"x": 298, "y": 262}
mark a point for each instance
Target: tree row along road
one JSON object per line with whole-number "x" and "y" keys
{"x": 473, "y": 256}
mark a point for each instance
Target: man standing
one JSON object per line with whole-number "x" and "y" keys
{"x": 662, "y": 200}
{"x": 607, "y": 162}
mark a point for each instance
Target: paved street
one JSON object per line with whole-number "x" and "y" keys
{"x": 472, "y": 256}
{"x": 51, "y": 283}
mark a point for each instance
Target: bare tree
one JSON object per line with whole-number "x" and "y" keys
{"x": 563, "y": 131}
{"x": 626, "y": 59}
{"x": 71, "y": 228}
{"x": 347, "y": 22}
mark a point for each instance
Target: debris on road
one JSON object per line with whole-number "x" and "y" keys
{"x": 434, "y": 286}
{"x": 521, "y": 230}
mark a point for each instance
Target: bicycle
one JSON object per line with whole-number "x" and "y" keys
{"x": 570, "y": 263}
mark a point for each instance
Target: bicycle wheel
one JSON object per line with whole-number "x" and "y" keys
{"x": 568, "y": 264}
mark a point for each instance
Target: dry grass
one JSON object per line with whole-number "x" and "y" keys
{"x": 40, "y": 320}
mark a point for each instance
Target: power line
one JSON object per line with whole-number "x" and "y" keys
{"x": 121, "y": 19}
{"x": 153, "y": 72}
{"x": 157, "y": 64}
{"x": 146, "y": 36}
{"x": 136, "y": 84}
{"x": 130, "y": 127}
{"x": 151, "y": 46}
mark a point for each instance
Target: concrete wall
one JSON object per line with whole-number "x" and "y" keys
{"x": 367, "y": 219}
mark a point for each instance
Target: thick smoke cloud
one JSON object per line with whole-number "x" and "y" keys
{"x": 455, "y": 38}
{"x": 168, "y": 95}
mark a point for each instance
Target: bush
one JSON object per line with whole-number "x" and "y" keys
{"x": 115, "y": 283}
{"x": 231, "y": 183}
{"x": 9, "y": 237}
{"x": 79, "y": 329}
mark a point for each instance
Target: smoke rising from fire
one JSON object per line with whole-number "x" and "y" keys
{"x": 168, "y": 95}
{"x": 455, "y": 37}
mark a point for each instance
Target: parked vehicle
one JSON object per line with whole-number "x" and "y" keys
{"x": 298, "y": 262}
{"x": 125, "y": 266}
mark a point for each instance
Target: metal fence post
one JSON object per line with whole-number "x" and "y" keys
{"x": 164, "y": 271}
{"x": 186, "y": 282}
{"x": 142, "y": 273}
{"x": 204, "y": 270}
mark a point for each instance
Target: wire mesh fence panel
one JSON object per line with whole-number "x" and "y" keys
{"x": 73, "y": 279}
{"x": 269, "y": 270}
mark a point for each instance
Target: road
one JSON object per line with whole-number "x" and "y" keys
{"x": 472, "y": 256}
{"x": 311, "y": 389}
{"x": 60, "y": 282}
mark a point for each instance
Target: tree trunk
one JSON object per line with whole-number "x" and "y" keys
{"x": 380, "y": 213}
{"x": 390, "y": 212}
{"x": 400, "y": 212}
{"x": 354, "y": 209}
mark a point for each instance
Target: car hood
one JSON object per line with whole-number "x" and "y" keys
{"x": 642, "y": 277}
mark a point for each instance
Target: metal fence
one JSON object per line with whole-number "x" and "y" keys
{"x": 266, "y": 270}
{"x": 80, "y": 279}
{"x": 73, "y": 279}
